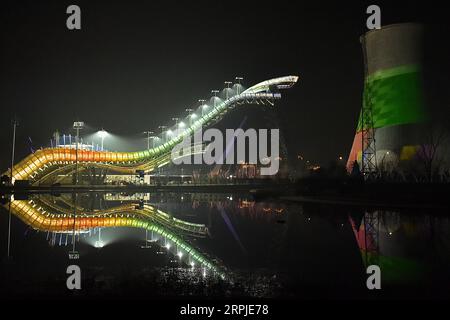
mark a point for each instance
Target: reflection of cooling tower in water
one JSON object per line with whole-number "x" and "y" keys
{"x": 394, "y": 92}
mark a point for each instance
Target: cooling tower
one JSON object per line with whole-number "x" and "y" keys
{"x": 393, "y": 90}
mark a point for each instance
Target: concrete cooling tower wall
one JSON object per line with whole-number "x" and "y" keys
{"x": 393, "y": 89}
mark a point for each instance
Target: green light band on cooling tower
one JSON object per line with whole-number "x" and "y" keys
{"x": 396, "y": 97}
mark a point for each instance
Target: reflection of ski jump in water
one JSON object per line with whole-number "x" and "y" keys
{"x": 161, "y": 225}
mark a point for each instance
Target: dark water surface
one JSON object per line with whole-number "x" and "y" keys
{"x": 242, "y": 248}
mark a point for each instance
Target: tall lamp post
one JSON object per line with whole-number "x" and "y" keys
{"x": 103, "y": 134}
{"x": 227, "y": 89}
{"x": 192, "y": 117}
{"x": 238, "y": 80}
{"x": 162, "y": 128}
{"x": 176, "y": 126}
{"x": 149, "y": 136}
{"x": 215, "y": 92}
{"x": 189, "y": 112}
{"x": 78, "y": 125}
{"x": 154, "y": 138}
{"x": 15, "y": 123}
{"x": 202, "y": 105}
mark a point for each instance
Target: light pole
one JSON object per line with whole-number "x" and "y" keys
{"x": 99, "y": 243}
{"x": 176, "y": 125}
{"x": 238, "y": 80}
{"x": 162, "y": 128}
{"x": 204, "y": 107}
{"x": 227, "y": 84}
{"x": 78, "y": 125}
{"x": 192, "y": 117}
{"x": 182, "y": 171}
{"x": 149, "y": 133}
{"x": 15, "y": 123}
{"x": 153, "y": 140}
{"x": 202, "y": 104}
{"x": 102, "y": 133}
{"x": 189, "y": 111}
{"x": 215, "y": 92}
{"x": 146, "y": 238}
{"x": 181, "y": 124}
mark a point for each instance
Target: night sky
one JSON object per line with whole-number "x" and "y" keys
{"x": 136, "y": 64}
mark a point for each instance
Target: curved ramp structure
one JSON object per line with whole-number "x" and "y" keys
{"x": 131, "y": 209}
{"x": 42, "y": 163}
{"x": 34, "y": 215}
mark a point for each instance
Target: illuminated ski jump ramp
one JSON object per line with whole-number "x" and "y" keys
{"x": 52, "y": 161}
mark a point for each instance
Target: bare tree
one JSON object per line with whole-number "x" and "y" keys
{"x": 429, "y": 153}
